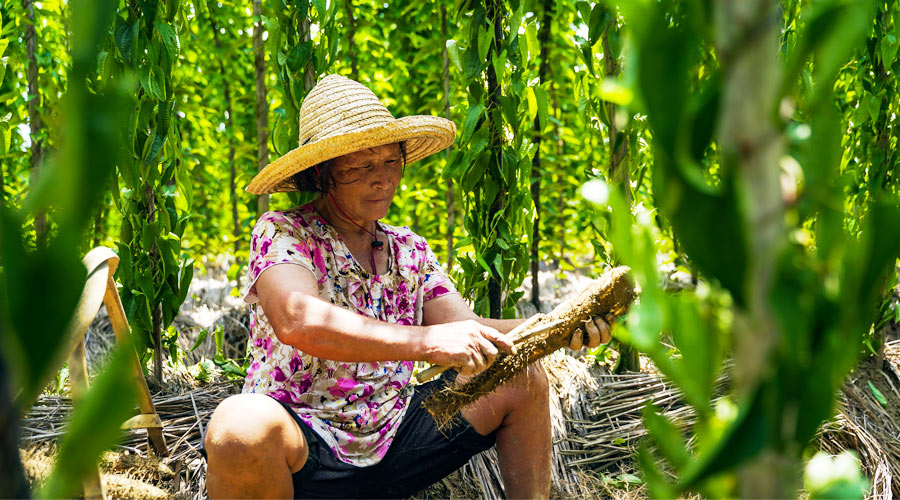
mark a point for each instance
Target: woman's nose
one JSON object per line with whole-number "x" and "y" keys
{"x": 383, "y": 177}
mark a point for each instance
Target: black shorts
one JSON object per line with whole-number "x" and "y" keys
{"x": 419, "y": 456}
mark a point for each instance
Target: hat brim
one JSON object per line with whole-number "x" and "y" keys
{"x": 424, "y": 135}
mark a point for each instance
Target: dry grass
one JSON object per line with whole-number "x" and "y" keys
{"x": 864, "y": 426}
{"x": 131, "y": 468}
{"x": 595, "y": 419}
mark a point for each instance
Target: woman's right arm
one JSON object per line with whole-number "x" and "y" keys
{"x": 289, "y": 297}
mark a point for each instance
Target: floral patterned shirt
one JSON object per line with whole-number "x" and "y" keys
{"x": 355, "y": 408}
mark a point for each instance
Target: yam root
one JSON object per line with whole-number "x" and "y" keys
{"x": 611, "y": 294}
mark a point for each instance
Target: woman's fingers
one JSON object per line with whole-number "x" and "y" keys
{"x": 577, "y": 339}
{"x": 501, "y": 341}
{"x": 597, "y": 330}
{"x": 488, "y": 350}
{"x": 593, "y": 333}
{"x": 484, "y": 344}
{"x": 474, "y": 363}
{"x": 603, "y": 329}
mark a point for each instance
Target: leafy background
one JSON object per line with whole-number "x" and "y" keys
{"x": 751, "y": 148}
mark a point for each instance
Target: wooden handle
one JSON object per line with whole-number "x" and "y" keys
{"x": 518, "y": 334}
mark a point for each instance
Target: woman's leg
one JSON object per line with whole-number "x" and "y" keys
{"x": 520, "y": 413}
{"x": 253, "y": 446}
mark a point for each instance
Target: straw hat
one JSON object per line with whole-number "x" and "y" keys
{"x": 340, "y": 116}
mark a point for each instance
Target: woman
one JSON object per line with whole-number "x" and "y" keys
{"x": 342, "y": 306}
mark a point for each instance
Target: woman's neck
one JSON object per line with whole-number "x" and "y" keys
{"x": 355, "y": 229}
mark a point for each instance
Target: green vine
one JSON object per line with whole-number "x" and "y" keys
{"x": 494, "y": 156}
{"x": 155, "y": 194}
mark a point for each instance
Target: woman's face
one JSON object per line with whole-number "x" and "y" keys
{"x": 366, "y": 181}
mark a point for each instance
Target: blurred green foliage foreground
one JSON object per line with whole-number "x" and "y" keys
{"x": 750, "y": 145}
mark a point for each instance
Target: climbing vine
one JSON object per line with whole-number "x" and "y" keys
{"x": 154, "y": 193}
{"x": 299, "y": 60}
{"x": 495, "y": 153}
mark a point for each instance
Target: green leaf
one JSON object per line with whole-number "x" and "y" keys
{"x": 531, "y": 100}
{"x": 888, "y": 46}
{"x": 667, "y": 437}
{"x": 630, "y": 479}
{"x": 744, "y": 438}
{"x": 586, "y": 54}
{"x": 542, "y": 99}
{"x": 698, "y": 341}
{"x": 169, "y": 37}
{"x": 125, "y": 35}
{"x": 473, "y": 63}
{"x": 531, "y": 41}
{"x": 873, "y": 105}
{"x": 218, "y": 337}
{"x": 484, "y": 264}
{"x": 485, "y": 38}
{"x": 4, "y": 61}
{"x": 613, "y": 91}
{"x": 5, "y": 137}
{"x": 185, "y": 188}
{"x": 656, "y": 483}
{"x": 878, "y": 395}
{"x": 37, "y": 325}
{"x": 831, "y": 33}
{"x": 299, "y": 56}
{"x": 3, "y": 44}
{"x": 302, "y": 8}
{"x": 321, "y": 8}
{"x": 600, "y": 18}
{"x": 472, "y": 119}
{"x": 187, "y": 274}
{"x": 498, "y": 61}
{"x": 584, "y": 10}
{"x": 200, "y": 339}
{"x": 144, "y": 279}
{"x": 94, "y": 426}
{"x": 453, "y": 53}
{"x": 157, "y": 84}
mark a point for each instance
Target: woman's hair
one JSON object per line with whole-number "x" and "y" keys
{"x": 320, "y": 178}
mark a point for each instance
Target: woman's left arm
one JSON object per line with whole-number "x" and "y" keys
{"x": 451, "y": 307}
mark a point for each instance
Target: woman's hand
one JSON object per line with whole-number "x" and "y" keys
{"x": 468, "y": 346}
{"x": 597, "y": 329}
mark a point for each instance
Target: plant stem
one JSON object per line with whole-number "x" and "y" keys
{"x": 747, "y": 43}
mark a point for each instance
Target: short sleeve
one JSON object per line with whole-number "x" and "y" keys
{"x": 436, "y": 281}
{"x": 275, "y": 240}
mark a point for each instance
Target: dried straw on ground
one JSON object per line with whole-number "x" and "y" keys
{"x": 131, "y": 470}
{"x": 866, "y": 427}
{"x": 611, "y": 294}
{"x": 595, "y": 419}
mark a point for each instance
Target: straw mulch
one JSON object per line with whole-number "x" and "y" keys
{"x": 868, "y": 428}
{"x": 130, "y": 470}
{"x": 595, "y": 416}
{"x": 596, "y": 420}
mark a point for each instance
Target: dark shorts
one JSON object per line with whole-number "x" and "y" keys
{"x": 419, "y": 456}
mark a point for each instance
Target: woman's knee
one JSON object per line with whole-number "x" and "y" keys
{"x": 247, "y": 426}
{"x": 532, "y": 384}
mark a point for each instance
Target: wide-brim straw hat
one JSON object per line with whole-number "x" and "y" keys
{"x": 340, "y": 116}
